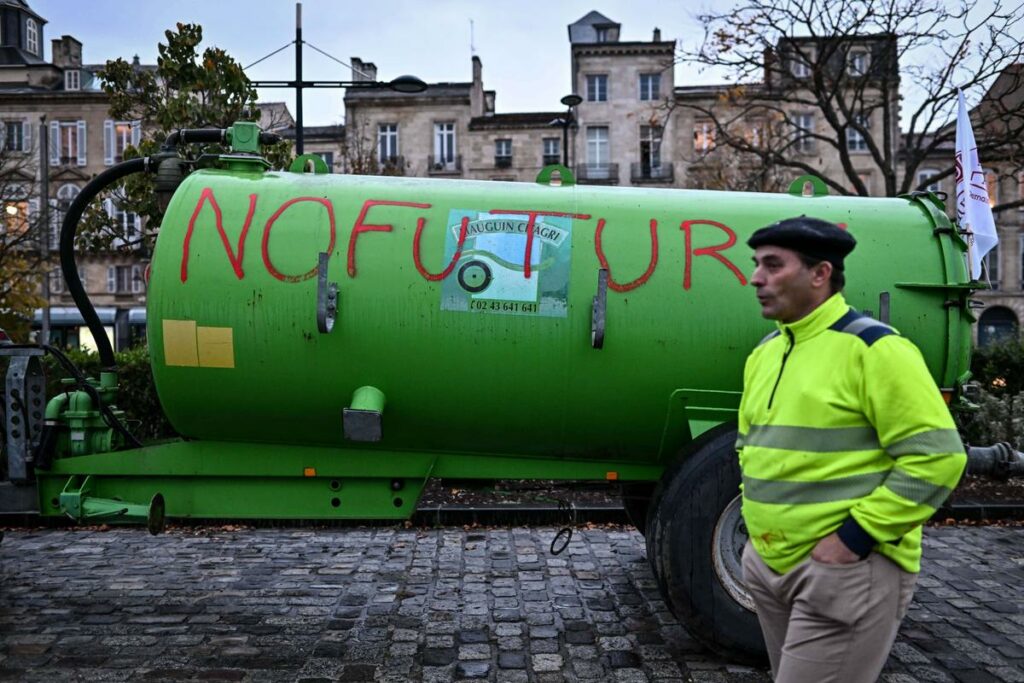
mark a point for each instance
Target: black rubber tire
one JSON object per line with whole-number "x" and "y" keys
{"x": 653, "y": 536}
{"x": 687, "y": 504}
{"x": 636, "y": 501}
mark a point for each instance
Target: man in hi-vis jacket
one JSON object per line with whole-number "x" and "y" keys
{"x": 846, "y": 448}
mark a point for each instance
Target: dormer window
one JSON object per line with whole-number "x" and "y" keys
{"x": 72, "y": 79}
{"x": 602, "y": 34}
{"x": 32, "y": 36}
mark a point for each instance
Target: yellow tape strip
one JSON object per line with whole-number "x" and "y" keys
{"x": 216, "y": 347}
{"x": 180, "y": 347}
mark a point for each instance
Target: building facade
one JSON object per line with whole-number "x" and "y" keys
{"x": 61, "y": 101}
{"x": 634, "y": 126}
{"x": 628, "y": 124}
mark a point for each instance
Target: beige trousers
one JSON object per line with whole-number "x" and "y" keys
{"x": 824, "y": 622}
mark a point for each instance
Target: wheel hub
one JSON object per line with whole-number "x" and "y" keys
{"x": 730, "y": 536}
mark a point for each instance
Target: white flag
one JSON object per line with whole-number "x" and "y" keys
{"x": 972, "y": 207}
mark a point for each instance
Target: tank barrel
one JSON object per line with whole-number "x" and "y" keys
{"x": 1000, "y": 461}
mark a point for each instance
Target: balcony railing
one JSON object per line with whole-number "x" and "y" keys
{"x": 643, "y": 172}
{"x": 552, "y": 159}
{"x": 391, "y": 165}
{"x": 598, "y": 173}
{"x": 503, "y": 161}
{"x": 444, "y": 166}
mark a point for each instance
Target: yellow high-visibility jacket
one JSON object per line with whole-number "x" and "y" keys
{"x": 841, "y": 428}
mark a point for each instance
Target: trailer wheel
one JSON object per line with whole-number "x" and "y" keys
{"x": 636, "y": 500}
{"x": 695, "y": 540}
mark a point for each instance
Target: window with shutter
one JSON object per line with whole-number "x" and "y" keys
{"x": 56, "y": 218}
{"x": 117, "y": 137}
{"x": 55, "y": 143}
{"x": 14, "y": 136}
{"x": 69, "y": 137}
{"x": 82, "y": 161}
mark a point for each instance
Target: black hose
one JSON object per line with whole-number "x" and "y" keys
{"x": 186, "y": 135}
{"x": 67, "y": 251}
{"x": 207, "y": 135}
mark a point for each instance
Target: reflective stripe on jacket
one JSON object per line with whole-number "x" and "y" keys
{"x": 842, "y": 428}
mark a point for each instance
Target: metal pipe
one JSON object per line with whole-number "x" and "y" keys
{"x": 67, "y": 251}
{"x": 1000, "y": 461}
{"x": 299, "y": 137}
{"x": 44, "y": 228}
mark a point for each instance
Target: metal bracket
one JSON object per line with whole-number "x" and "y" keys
{"x": 78, "y": 502}
{"x": 883, "y": 307}
{"x": 597, "y": 313}
{"x": 24, "y": 407}
{"x": 326, "y": 297}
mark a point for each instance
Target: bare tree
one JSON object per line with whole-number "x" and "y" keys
{"x": 737, "y": 165}
{"x": 833, "y": 79}
{"x": 23, "y": 263}
{"x": 360, "y": 154}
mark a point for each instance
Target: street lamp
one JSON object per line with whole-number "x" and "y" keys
{"x": 570, "y": 101}
{"x": 402, "y": 84}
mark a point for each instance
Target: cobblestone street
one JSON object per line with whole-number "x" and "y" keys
{"x": 387, "y": 604}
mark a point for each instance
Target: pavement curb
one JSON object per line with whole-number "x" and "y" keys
{"x": 509, "y": 515}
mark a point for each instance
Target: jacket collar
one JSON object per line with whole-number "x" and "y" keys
{"x": 818, "y": 320}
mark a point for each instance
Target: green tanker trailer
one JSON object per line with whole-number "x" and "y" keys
{"x": 326, "y": 344}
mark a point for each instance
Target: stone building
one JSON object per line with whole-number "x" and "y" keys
{"x": 634, "y": 126}
{"x": 1004, "y": 302}
{"x": 63, "y": 97}
{"x": 625, "y": 132}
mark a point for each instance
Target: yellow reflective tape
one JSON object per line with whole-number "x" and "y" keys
{"x": 216, "y": 347}
{"x": 813, "y": 439}
{"x": 180, "y": 343}
{"x": 782, "y": 492}
{"x": 930, "y": 442}
{"x": 917, "y": 490}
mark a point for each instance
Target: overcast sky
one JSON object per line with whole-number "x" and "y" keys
{"x": 524, "y": 45}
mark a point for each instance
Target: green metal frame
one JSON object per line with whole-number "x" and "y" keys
{"x": 213, "y": 479}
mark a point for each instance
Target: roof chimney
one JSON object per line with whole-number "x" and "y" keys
{"x": 476, "y": 93}
{"x": 66, "y": 52}
{"x": 657, "y": 35}
{"x": 363, "y": 71}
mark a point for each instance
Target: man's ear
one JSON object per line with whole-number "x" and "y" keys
{"x": 821, "y": 274}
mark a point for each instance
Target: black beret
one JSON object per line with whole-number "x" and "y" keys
{"x": 810, "y": 236}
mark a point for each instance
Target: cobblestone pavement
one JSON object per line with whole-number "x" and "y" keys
{"x": 435, "y": 605}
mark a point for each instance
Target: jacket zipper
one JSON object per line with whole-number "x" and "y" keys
{"x": 785, "y": 357}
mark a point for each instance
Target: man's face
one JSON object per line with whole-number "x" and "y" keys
{"x": 787, "y": 289}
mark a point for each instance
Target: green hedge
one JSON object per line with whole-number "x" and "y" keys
{"x": 998, "y": 370}
{"x": 136, "y": 392}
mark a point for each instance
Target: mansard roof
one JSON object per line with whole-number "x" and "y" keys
{"x": 584, "y": 30}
